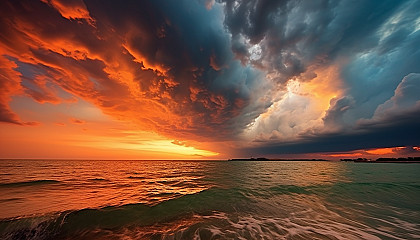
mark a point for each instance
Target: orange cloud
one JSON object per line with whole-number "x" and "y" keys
{"x": 119, "y": 69}
{"x": 377, "y": 152}
{"x": 75, "y": 9}
{"x": 325, "y": 85}
{"x": 346, "y": 155}
{"x": 43, "y": 94}
{"x": 381, "y": 151}
{"x": 10, "y": 86}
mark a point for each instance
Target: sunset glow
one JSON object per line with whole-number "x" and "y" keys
{"x": 207, "y": 80}
{"x": 209, "y": 119}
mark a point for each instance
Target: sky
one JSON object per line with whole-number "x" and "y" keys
{"x": 206, "y": 79}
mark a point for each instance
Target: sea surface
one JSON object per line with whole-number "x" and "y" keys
{"x": 72, "y": 199}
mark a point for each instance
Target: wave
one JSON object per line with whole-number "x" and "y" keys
{"x": 117, "y": 217}
{"x": 29, "y": 183}
{"x": 10, "y": 200}
{"x": 290, "y": 189}
{"x": 137, "y": 177}
{"x": 282, "y": 211}
{"x": 205, "y": 225}
{"x": 98, "y": 179}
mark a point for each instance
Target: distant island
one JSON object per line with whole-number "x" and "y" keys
{"x": 384, "y": 160}
{"x": 363, "y": 160}
{"x": 279, "y": 160}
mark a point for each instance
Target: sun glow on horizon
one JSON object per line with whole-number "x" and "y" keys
{"x": 81, "y": 130}
{"x": 140, "y": 145}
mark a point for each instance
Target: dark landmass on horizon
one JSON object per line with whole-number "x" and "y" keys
{"x": 278, "y": 160}
{"x": 364, "y": 160}
{"x": 385, "y": 160}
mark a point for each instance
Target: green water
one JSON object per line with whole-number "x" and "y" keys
{"x": 208, "y": 200}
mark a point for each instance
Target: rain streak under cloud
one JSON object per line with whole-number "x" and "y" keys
{"x": 239, "y": 78}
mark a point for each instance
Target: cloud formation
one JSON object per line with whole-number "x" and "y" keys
{"x": 165, "y": 65}
{"x": 370, "y": 44}
{"x": 271, "y": 76}
{"x": 9, "y": 83}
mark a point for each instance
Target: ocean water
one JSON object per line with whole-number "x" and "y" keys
{"x": 57, "y": 199}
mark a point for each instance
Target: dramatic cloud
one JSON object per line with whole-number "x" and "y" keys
{"x": 370, "y": 43}
{"x": 74, "y": 9}
{"x": 394, "y": 123}
{"x": 405, "y": 100}
{"x": 262, "y": 76}
{"x": 165, "y": 65}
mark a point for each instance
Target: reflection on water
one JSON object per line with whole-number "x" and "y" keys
{"x": 67, "y": 185}
{"x": 203, "y": 200}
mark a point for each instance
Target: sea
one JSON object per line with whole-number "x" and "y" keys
{"x": 81, "y": 199}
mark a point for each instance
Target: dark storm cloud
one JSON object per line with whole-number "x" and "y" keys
{"x": 400, "y": 131}
{"x": 373, "y": 77}
{"x": 375, "y": 43}
{"x": 395, "y": 123}
{"x": 334, "y": 115}
{"x": 295, "y": 34}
